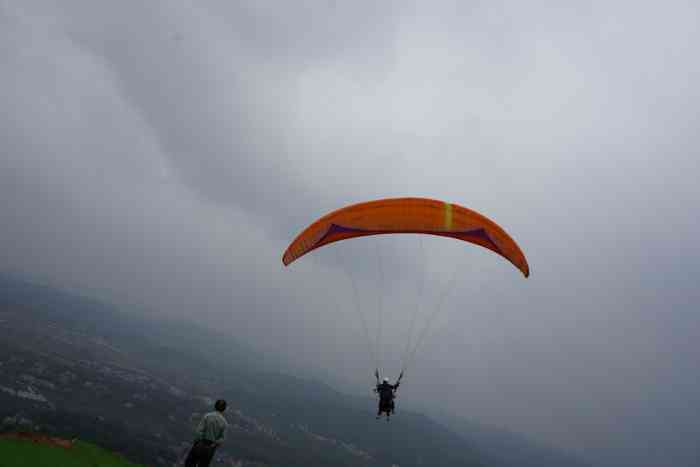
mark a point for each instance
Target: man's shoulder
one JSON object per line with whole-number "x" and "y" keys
{"x": 217, "y": 415}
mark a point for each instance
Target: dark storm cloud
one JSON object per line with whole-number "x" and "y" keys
{"x": 164, "y": 154}
{"x": 225, "y": 74}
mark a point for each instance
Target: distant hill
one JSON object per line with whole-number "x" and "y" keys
{"x": 77, "y": 367}
{"x": 501, "y": 447}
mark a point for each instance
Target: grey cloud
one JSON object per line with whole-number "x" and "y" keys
{"x": 164, "y": 154}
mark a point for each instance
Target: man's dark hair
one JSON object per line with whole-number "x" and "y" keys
{"x": 220, "y": 405}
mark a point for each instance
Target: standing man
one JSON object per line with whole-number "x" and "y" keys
{"x": 210, "y": 433}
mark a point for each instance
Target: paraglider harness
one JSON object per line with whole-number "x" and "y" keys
{"x": 386, "y": 393}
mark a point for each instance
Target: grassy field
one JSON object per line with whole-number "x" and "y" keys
{"x": 27, "y": 453}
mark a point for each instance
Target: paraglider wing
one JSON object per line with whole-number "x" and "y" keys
{"x": 407, "y": 215}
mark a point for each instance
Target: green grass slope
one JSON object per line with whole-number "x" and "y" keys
{"x": 27, "y": 453}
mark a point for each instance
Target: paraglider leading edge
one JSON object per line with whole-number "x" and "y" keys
{"x": 404, "y": 216}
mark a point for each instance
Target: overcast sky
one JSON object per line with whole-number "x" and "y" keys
{"x": 164, "y": 153}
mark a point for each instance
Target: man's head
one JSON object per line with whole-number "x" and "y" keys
{"x": 385, "y": 380}
{"x": 220, "y": 405}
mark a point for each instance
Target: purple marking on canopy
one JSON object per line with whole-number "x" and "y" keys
{"x": 479, "y": 233}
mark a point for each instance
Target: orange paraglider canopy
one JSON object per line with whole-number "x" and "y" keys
{"x": 407, "y": 215}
